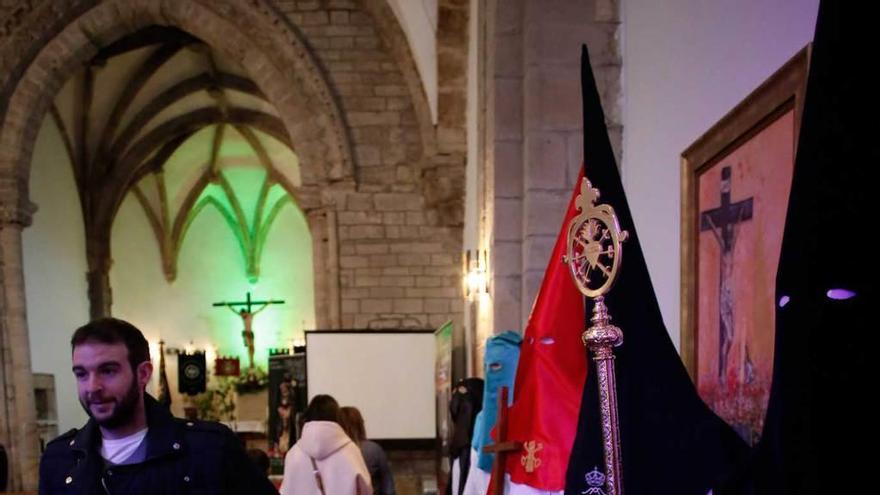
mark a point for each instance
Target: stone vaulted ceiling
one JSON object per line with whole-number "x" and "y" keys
{"x": 161, "y": 116}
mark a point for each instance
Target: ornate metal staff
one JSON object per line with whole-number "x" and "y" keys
{"x": 594, "y": 256}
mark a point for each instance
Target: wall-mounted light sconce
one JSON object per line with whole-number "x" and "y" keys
{"x": 476, "y": 273}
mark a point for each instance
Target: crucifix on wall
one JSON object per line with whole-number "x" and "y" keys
{"x": 245, "y": 309}
{"x": 722, "y": 221}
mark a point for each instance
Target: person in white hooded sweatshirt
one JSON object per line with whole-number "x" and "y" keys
{"x": 324, "y": 461}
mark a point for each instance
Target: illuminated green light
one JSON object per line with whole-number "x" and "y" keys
{"x": 243, "y": 233}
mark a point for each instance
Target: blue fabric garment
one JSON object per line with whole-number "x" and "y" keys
{"x": 499, "y": 369}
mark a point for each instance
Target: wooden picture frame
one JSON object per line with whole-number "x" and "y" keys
{"x": 735, "y": 181}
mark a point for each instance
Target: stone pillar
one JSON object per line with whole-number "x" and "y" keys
{"x": 18, "y": 423}
{"x": 452, "y": 51}
{"x": 505, "y": 162}
{"x": 98, "y": 276}
{"x": 443, "y": 174}
{"x": 332, "y": 266}
{"x": 325, "y": 257}
{"x": 535, "y": 132}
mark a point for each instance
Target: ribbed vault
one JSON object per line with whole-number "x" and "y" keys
{"x": 160, "y": 115}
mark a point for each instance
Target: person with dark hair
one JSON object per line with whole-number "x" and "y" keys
{"x": 377, "y": 462}
{"x": 131, "y": 444}
{"x": 322, "y": 408}
{"x": 464, "y": 406}
{"x": 325, "y": 461}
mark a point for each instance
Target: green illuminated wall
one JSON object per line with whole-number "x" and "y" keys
{"x": 209, "y": 270}
{"x": 244, "y": 233}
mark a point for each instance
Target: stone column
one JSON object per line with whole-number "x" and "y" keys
{"x": 443, "y": 174}
{"x": 452, "y": 51}
{"x": 325, "y": 257}
{"x": 553, "y": 31}
{"x": 534, "y": 132}
{"x": 18, "y": 423}
{"x": 504, "y": 155}
{"x": 98, "y": 276}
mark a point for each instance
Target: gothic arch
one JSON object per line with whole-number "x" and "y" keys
{"x": 286, "y": 73}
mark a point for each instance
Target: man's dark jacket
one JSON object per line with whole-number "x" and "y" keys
{"x": 183, "y": 457}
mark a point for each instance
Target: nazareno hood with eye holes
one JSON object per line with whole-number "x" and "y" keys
{"x": 499, "y": 368}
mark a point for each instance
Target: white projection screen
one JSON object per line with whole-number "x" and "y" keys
{"x": 388, "y": 375}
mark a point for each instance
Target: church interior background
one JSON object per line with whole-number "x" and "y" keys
{"x": 359, "y": 159}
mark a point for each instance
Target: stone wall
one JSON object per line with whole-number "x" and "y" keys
{"x": 398, "y": 263}
{"x": 536, "y": 133}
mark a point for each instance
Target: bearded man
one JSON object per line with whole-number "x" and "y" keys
{"x": 131, "y": 444}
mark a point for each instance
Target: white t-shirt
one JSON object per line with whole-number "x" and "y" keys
{"x": 117, "y": 450}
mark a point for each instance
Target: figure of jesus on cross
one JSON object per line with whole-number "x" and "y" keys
{"x": 247, "y": 312}
{"x": 723, "y": 222}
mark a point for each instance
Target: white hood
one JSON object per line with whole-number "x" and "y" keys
{"x": 321, "y": 438}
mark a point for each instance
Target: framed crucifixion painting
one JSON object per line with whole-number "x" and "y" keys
{"x": 735, "y": 184}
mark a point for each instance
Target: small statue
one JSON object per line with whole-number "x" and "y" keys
{"x": 247, "y": 318}
{"x": 286, "y": 411}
